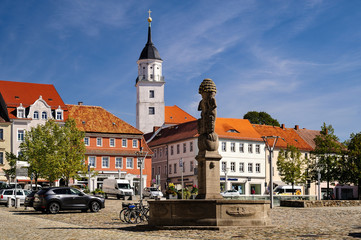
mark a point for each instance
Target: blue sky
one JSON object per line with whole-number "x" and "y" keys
{"x": 300, "y": 61}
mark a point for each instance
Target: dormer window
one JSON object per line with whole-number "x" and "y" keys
{"x": 36, "y": 115}
{"x": 232, "y": 131}
{"x": 21, "y": 111}
{"x": 59, "y": 114}
{"x": 44, "y": 115}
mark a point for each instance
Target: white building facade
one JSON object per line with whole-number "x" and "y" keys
{"x": 243, "y": 166}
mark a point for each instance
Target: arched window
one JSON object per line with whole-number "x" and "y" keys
{"x": 36, "y": 115}
{"x": 44, "y": 115}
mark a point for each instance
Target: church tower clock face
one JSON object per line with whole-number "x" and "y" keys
{"x": 150, "y": 87}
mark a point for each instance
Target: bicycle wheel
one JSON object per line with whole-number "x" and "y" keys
{"x": 131, "y": 217}
{"x": 122, "y": 213}
{"x": 146, "y": 214}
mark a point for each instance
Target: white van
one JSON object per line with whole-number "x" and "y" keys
{"x": 32, "y": 187}
{"x": 117, "y": 187}
{"x": 287, "y": 190}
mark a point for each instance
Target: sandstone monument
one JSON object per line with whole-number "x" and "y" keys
{"x": 209, "y": 209}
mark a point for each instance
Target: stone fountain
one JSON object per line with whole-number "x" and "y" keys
{"x": 209, "y": 209}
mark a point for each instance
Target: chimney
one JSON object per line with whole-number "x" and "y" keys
{"x": 283, "y": 126}
{"x": 155, "y": 128}
{"x": 297, "y": 127}
{"x": 80, "y": 103}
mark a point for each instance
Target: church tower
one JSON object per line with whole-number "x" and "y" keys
{"x": 150, "y": 87}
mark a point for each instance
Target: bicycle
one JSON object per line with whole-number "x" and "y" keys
{"x": 134, "y": 213}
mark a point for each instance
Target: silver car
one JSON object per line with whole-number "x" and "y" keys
{"x": 152, "y": 192}
{"x": 10, "y": 193}
{"x": 231, "y": 193}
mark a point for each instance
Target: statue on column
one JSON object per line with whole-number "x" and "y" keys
{"x": 208, "y": 139}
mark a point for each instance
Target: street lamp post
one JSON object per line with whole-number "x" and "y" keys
{"x": 270, "y": 148}
{"x": 319, "y": 183}
{"x": 181, "y": 169}
{"x": 139, "y": 157}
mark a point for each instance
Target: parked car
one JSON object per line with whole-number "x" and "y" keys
{"x": 29, "y": 200}
{"x": 4, "y": 185}
{"x": 79, "y": 186}
{"x": 32, "y": 187}
{"x": 287, "y": 190}
{"x": 15, "y": 185}
{"x": 10, "y": 193}
{"x": 152, "y": 192}
{"x": 54, "y": 199}
{"x": 117, "y": 187}
{"x": 231, "y": 193}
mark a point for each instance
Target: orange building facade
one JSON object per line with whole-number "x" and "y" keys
{"x": 114, "y": 149}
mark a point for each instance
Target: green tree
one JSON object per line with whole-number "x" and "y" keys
{"x": 53, "y": 151}
{"x": 291, "y": 166}
{"x": 40, "y": 149}
{"x": 352, "y": 158}
{"x": 72, "y": 151}
{"x": 327, "y": 155}
{"x": 10, "y": 173}
{"x": 261, "y": 118}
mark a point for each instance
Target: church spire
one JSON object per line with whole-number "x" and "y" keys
{"x": 149, "y": 29}
{"x": 149, "y": 51}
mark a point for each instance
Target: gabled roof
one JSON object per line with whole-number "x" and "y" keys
{"x": 289, "y": 135}
{"x": 234, "y": 128}
{"x": 308, "y": 135}
{"x": 173, "y": 133}
{"x": 15, "y": 93}
{"x": 25, "y": 93}
{"x": 176, "y": 115}
{"x": 4, "y": 116}
{"x": 97, "y": 119}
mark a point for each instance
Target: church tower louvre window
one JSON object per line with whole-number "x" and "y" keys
{"x": 149, "y": 106}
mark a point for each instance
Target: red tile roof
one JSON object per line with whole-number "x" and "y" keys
{"x": 97, "y": 119}
{"x": 15, "y": 93}
{"x": 176, "y": 115}
{"x": 4, "y": 116}
{"x": 230, "y": 128}
{"x": 308, "y": 135}
{"x": 289, "y": 134}
{"x": 235, "y": 128}
{"x": 173, "y": 133}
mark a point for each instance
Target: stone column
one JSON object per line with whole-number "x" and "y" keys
{"x": 208, "y": 156}
{"x": 208, "y": 176}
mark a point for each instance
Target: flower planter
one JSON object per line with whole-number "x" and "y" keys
{"x": 173, "y": 196}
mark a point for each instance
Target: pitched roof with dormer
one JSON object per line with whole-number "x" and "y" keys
{"x": 289, "y": 135}
{"x": 176, "y": 115}
{"x": 234, "y": 128}
{"x": 16, "y": 93}
{"x": 98, "y": 120}
{"x": 230, "y": 128}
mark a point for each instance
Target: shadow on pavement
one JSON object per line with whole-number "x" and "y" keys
{"x": 126, "y": 228}
{"x": 355, "y": 235}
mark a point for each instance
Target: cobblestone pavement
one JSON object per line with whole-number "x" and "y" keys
{"x": 289, "y": 223}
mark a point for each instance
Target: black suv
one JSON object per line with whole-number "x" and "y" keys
{"x": 54, "y": 199}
